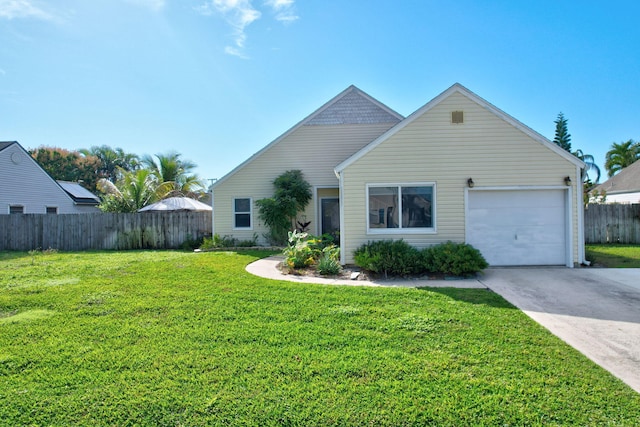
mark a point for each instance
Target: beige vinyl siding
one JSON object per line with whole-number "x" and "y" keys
{"x": 316, "y": 150}
{"x": 431, "y": 149}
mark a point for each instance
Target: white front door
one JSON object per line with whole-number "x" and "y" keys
{"x": 519, "y": 227}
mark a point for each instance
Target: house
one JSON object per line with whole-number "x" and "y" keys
{"x": 624, "y": 187}
{"x": 458, "y": 169}
{"x": 27, "y": 188}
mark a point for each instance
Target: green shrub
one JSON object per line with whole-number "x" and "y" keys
{"x": 328, "y": 265}
{"x": 389, "y": 257}
{"x": 304, "y": 250}
{"x": 459, "y": 259}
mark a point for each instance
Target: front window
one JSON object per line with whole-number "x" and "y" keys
{"x": 408, "y": 207}
{"x": 242, "y": 213}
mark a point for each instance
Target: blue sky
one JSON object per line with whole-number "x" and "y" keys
{"x": 216, "y": 80}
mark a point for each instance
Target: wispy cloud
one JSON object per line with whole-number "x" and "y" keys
{"x": 15, "y": 9}
{"x": 155, "y": 5}
{"x": 239, "y": 14}
{"x": 284, "y": 10}
{"x": 2, "y": 72}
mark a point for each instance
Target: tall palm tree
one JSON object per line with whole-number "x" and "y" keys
{"x": 173, "y": 175}
{"x": 591, "y": 166}
{"x": 621, "y": 155}
{"x": 112, "y": 161}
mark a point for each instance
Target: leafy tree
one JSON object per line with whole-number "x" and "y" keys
{"x": 68, "y": 165}
{"x": 292, "y": 195}
{"x": 133, "y": 191}
{"x": 621, "y": 155}
{"x": 562, "y": 137}
{"x": 173, "y": 176}
{"x": 112, "y": 161}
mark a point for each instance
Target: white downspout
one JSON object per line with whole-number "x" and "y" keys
{"x": 343, "y": 257}
{"x": 580, "y": 207}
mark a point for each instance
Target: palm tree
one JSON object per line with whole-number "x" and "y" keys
{"x": 133, "y": 191}
{"x": 621, "y": 155}
{"x": 173, "y": 176}
{"x": 112, "y": 161}
{"x": 591, "y": 166}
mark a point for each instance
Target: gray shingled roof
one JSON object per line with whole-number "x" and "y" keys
{"x": 626, "y": 181}
{"x": 5, "y": 144}
{"x": 353, "y": 108}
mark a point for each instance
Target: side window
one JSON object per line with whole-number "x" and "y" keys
{"x": 52, "y": 210}
{"x": 15, "y": 209}
{"x": 242, "y": 213}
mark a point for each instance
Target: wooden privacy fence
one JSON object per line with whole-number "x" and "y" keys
{"x": 77, "y": 232}
{"x": 612, "y": 223}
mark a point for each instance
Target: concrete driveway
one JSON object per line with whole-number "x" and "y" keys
{"x": 596, "y": 311}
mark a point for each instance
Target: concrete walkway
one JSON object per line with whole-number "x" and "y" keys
{"x": 596, "y": 311}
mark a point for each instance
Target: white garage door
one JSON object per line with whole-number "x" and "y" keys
{"x": 520, "y": 227}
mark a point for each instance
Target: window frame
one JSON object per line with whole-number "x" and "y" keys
{"x": 48, "y": 208}
{"x": 399, "y": 229}
{"x": 235, "y": 213}
{"x": 15, "y": 207}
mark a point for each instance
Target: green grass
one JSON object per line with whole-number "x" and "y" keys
{"x": 614, "y": 256}
{"x": 184, "y": 339}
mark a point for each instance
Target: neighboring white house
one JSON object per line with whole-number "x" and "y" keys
{"x": 457, "y": 169}
{"x": 624, "y": 187}
{"x": 27, "y": 188}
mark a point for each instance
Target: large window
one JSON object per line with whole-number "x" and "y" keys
{"x": 406, "y": 207}
{"x": 242, "y": 213}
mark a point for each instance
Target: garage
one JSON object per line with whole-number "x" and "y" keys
{"x": 519, "y": 227}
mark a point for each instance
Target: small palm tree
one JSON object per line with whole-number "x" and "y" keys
{"x": 173, "y": 176}
{"x": 621, "y": 155}
{"x": 133, "y": 191}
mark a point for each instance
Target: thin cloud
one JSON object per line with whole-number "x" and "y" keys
{"x": 2, "y": 72}
{"x": 155, "y": 5}
{"x": 239, "y": 14}
{"x": 17, "y": 9}
{"x": 283, "y": 9}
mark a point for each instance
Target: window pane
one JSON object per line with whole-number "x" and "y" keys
{"x": 243, "y": 221}
{"x": 383, "y": 207}
{"x": 16, "y": 209}
{"x": 416, "y": 207}
{"x": 242, "y": 205}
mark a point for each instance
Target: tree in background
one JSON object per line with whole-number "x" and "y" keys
{"x": 65, "y": 165}
{"x": 292, "y": 195}
{"x": 562, "y": 137}
{"x": 621, "y": 155}
{"x": 134, "y": 190}
{"x": 173, "y": 176}
{"x": 112, "y": 161}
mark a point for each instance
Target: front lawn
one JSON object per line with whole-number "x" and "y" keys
{"x": 176, "y": 338}
{"x": 614, "y": 255}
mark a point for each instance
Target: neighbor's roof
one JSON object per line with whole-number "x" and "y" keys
{"x": 457, "y": 87}
{"x": 5, "y": 144}
{"x": 78, "y": 193}
{"x": 625, "y": 181}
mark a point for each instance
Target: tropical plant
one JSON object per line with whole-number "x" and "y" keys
{"x": 590, "y": 166}
{"x": 562, "y": 137}
{"x": 621, "y": 155}
{"x": 173, "y": 176}
{"x": 133, "y": 191}
{"x": 112, "y": 161}
{"x": 291, "y": 195}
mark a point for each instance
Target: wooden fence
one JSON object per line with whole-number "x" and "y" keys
{"x": 77, "y": 232}
{"x": 612, "y": 223}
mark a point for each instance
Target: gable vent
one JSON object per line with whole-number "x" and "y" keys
{"x": 457, "y": 117}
